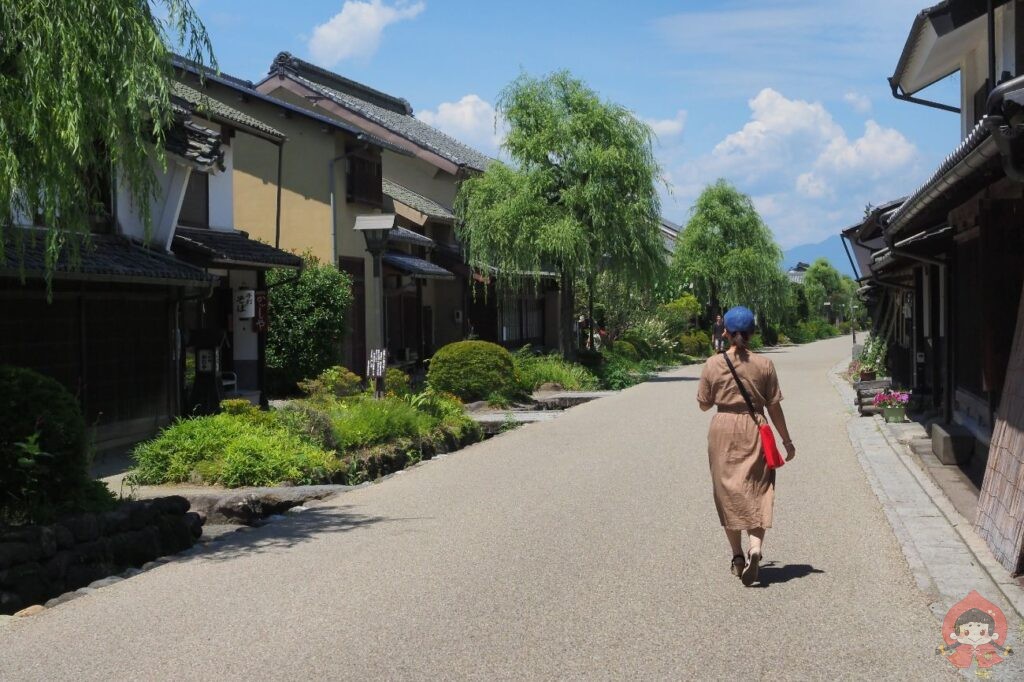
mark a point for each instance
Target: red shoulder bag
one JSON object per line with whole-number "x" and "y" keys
{"x": 772, "y": 458}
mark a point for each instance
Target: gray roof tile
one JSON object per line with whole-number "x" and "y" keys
{"x": 214, "y": 109}
{"x": 110, "y": 258}
{"x": 224, "y": 247}
{"x": 393, "y": 113}
{"x": 424, "y": 205}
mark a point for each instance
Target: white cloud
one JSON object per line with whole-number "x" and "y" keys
{"x": 807, "y": 175}
{"x": 356, "y": 30}
{"x": 668, "y": 127}
{"x": 879, "y": 151}
{"x": 860, "y": 102}
{"x": 471, "y": 120}
{"x": 812, "y": 185}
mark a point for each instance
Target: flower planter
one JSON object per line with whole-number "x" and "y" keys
{"x": 868, "y": 375}
{"x": 894, "y": 415}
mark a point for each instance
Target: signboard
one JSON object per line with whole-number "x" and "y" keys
{"x": 245, "y": 304}
{"x": 262, "y": 321}
{"x": 377, "y": 363}
{"x": 205, "y": 360}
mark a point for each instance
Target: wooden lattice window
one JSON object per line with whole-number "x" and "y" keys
{"x": 364, "y": 181}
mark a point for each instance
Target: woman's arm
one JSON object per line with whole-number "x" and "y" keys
{"x": 779, "y": 421}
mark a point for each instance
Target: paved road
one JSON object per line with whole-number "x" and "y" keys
{"x": 587, "y": 547}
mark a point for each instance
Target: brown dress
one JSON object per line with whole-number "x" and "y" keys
{"x": 744, "y": 487}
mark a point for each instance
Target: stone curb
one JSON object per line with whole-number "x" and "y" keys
{"x": 921, "y": 514}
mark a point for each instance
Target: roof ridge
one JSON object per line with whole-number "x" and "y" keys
{"x": 285, "y": 61}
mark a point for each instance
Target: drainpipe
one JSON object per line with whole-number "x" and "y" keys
{"x": 991, "y": 17}
{"x": 277, "y": 223}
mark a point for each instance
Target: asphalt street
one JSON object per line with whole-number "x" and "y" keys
{"x": 585, "y": 547}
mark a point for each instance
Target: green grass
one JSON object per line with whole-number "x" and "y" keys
{"x": 536, "y": 370}
{"x": 231, "y": 450}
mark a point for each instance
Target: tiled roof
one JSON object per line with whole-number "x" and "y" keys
{"x": 223, "y": 247}
{"x": 424, "y": 205}
{"x": 417, "y": 267}
{"x": 107, "y": 258}
{"x": 191, "y": 141}
{"x": 401, "y": 235}
{"x": 390, "y": 112}
{"x": 214, "y": 109}
{"x": 965, "y": 163}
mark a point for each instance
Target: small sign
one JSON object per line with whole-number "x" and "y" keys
{"x": 262, "y": 321}
{"x": 377, "y": 364}
{"x": 245, "y": 304}
{"x": 204, "y": 360}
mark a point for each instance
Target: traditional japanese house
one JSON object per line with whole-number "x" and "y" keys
{"x": 420, "y": 169}
{"x": 944, "y": 268}
{"x": 110, "y": 328}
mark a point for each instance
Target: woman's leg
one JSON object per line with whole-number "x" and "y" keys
{"x": 735, "y": 541}
{"x": 756, "y": 536}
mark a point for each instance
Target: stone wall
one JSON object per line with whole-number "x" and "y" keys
{"x": 41, "y": 562}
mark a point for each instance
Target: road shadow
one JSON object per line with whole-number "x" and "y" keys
{"x": 771, "y": 573}
{"x": 283, "y": 534}
{"x": 664, "y": 380}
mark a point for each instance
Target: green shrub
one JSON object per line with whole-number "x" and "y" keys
{"x": 696, "y": 344}
{"x": 626, "y": 350}
{"x": 784, "y": 340}
{"x": 396, "y": 381}
{"x": 651, "y": 339}
{"x": 535, "y": 370}
{"x": 239, "y": 406}
{"x": 678, "y": 316}
{"x": 364, "y": 421}
{"x": 473, "y": 370}
{"x": 43, "y": 449}
{"x": 617, "y": 372}
{"x": 308, "y": 421}
{"x": 231, "y": 450}
{"x": 334, "y": 381}
{"x": 756, "y": 342}
{"x": 309, "y": 319}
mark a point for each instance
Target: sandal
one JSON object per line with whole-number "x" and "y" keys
{"x": 738, "y": 562}
{"x": 749, "y": 575}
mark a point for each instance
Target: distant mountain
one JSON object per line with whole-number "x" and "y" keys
{"x": 831, "y": 248}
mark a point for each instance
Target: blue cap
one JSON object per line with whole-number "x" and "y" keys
{"x": 739, "y": 319}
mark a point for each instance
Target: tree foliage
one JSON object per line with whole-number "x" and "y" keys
{"x": 308, "y": 320}
{"x": 84, "y": 87}
{"x": 580, "y": 194}
{"x": 728, "y": 256}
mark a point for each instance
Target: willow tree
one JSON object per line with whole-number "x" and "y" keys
{"x": 728, "y": 256}
{"x": 579, "y": 195}
{"x": 84, "y": 88}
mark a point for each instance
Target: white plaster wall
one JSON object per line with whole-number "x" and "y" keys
{"x": 163, "y": 208}
{"x": 222, "y": 195}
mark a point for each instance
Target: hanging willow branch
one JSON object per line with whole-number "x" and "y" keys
{"x": 84, "y": 87}
{"x": 580, "y": 196}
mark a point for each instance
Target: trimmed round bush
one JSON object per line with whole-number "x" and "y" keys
{"x": 43, "y": 448}
{"x": 626, "y": 350}
{"x": 696, "y": 344}
{"x": 473, "y": 370}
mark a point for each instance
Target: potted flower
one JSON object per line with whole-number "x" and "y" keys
{"x": 893, "y": 404}
{"x": 867, "y": 371}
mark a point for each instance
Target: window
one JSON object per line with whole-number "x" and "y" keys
{"x": 364, "y": 181}
{"x": 195, "y": 208}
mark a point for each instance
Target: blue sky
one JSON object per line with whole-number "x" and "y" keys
{"x": 787, "y": 99}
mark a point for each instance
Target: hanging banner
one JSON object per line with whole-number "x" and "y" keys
{"x": 245, "y": 304}
{"x": 262, "y": 319}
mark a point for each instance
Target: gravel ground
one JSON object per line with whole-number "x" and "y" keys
{"x": 587, "y": 547}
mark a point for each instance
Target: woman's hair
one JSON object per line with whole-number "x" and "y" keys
{"x": 740, "y": 339}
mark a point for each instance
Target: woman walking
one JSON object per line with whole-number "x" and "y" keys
{"x": 744, "y": 488}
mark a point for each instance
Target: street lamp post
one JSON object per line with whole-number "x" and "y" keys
{"x": 375, "y": 230}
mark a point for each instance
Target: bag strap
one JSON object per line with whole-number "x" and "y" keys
{"x": 743, "y": 391}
